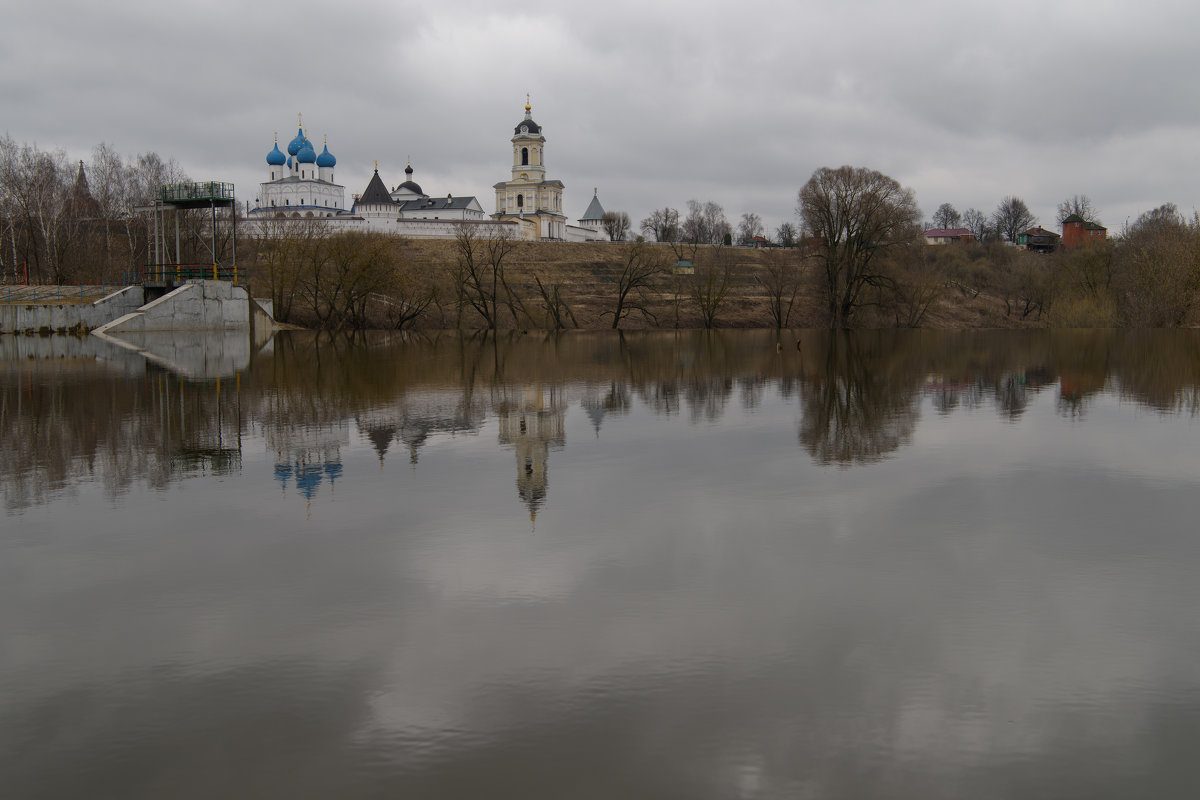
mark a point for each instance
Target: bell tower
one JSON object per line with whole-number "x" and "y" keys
{"x": 528, "y": 149}
{"x": 528, "y": 196}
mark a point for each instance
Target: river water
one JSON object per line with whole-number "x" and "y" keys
{"x": 660, "y": 565}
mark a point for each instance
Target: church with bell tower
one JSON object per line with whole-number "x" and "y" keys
{"x": 528, "y": 197}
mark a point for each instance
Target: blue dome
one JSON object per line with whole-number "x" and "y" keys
{"x": 306, "y": 155}
{"x": 289, "y": 162}
{"x": 295, "y": 145}
{"x": 276, "y": 157}
{"x": 326, "y": 158}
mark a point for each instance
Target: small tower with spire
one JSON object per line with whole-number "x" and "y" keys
{"x": 593, "y": 218}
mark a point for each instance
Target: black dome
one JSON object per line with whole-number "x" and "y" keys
{"x": 528, "y": 123}
{"x": 411, "y": 186}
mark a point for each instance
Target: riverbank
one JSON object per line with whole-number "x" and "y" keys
{"x": 557, "y": 284}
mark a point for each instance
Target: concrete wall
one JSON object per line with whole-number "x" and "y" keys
{"x": 69, "y": 316}
{"x": 195, "y": 306}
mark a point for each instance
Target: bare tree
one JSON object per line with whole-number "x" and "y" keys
{"x": 947, "y": 217}
{"x": 1164, "y": 219}
{"x": 1012, "y": 217}
{"x": 284, "y": 245}
{"x": 858, "y": 214}
{"x": 785, "y": 235}
{"x": 1156, "y": 271}
{"x": 662, "y": 224}
{"x": 616, "y": 224}
{"x": 558, "y": 311}
{"x": 711, "y": 283}
{"x": 108, "y": 183}
{"x": 1079, "y": 205}
{"x": 750, "y": 226}
{"x": 976, "y": 222}
{"x": 642, "y": 266}
{"x": 704, "y": 224}
{"x": 780, "y": 278}
{"x": 480, "y": 272}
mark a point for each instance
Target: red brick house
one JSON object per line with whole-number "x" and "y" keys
{"x": 1077, "y": 230}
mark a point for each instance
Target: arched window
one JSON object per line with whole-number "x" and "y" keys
{"x": 524, "y": 156}
{"x": 520, "y": 201}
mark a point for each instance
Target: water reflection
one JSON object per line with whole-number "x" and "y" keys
{"x": 860, "y": 405}
{"x": 884, "y": 564}
{"x": 71, "y": 413}
{"x": 532, "y": 424}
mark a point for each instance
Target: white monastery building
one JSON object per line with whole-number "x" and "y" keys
{"x": 300, "y": 185}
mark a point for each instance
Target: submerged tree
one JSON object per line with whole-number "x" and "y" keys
{"x": 479, "y": 272}
{"x": 641, "y": 267}
{"x": 711, "y": 283}
{"x": 858, "y": 215}
{"x": 780, "y": 279}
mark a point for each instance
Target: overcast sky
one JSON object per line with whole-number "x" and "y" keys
{"x": 651, "y": 102}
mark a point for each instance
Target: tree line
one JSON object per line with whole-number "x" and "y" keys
{"x": 65, "y": 221}
{"x": 854, "y": 257}
{"x": 862, "y": 257}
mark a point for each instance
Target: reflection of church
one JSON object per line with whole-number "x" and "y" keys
{"x": 597, "y": 406}
{"x": 413, "y": 422}
{"x": 307, "y": 456}
{"x": 531, "y": 425}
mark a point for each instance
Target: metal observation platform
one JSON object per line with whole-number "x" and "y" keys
{"x": 177, "y": 201}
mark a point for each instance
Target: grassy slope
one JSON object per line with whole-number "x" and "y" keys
{"x": 587, "y": 275}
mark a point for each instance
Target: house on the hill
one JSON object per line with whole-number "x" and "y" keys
{"x": 1039, "y": 240}
{"x": 948, "y": 235}
{"x": 1077, "y": 230}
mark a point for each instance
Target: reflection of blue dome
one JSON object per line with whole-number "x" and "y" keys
{"x": 276, "y": 158}
{"x": 333, "y": 469}
{"x": 306, "y": 155}
{"x": 326, "y": 158}
{"x": 296, "y": 144}
{"x": 308, "y": 478}
{"x": 283, "y": 472}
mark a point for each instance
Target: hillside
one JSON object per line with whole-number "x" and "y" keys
{"x": 587, "y": 276}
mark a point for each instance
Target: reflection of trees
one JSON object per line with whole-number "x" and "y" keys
{"x": 1160, "y": 369}
{"x": 81, "y": 421}
{"x": 861, "y": 406}
{"x": 948, "y": 396}
{"x": 706, "y": 398}
{"x": 65, "y": 421}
